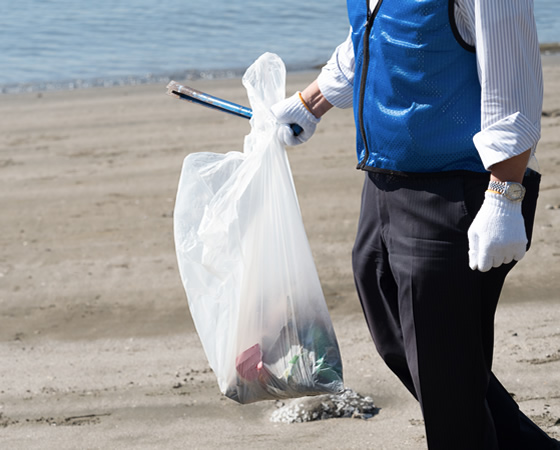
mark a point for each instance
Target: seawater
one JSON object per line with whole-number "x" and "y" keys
{"x": 115, "y": 41}
{"x": 54, "y": 44}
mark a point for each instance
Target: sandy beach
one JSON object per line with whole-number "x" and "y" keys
{"x": 97, "y": 346}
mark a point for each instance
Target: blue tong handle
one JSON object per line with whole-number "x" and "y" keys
{"x": 200, "y": 98}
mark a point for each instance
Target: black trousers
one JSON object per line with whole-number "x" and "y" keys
{"x": 432, "y": 317}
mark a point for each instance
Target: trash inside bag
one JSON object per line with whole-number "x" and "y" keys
{"x": 246, "y": 265}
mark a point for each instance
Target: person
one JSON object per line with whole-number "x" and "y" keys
{"x": 447, "y": 99}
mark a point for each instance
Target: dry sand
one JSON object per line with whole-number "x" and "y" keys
{"x": 96, "y": 343}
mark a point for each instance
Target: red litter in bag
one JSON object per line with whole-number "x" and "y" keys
{"x": 249, "y": 363}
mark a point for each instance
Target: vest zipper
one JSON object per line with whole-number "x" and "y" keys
{"x": 365, "y": 63}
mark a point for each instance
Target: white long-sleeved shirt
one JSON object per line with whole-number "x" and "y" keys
{"x": 509, "y": 69}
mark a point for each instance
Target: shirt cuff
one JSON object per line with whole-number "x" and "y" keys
{"x": 506, "y": 138}
{"x": 336, "y": 80}
{"x": 336, "y": 88}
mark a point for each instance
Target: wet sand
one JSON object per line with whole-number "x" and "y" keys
{"x": 96, "y": 342}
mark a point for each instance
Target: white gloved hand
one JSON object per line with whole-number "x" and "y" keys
{"x": 497, "y": 235}
{"x": 293, "y": 111}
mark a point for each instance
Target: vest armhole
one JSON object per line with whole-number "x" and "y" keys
{"x": 453, "y": 23}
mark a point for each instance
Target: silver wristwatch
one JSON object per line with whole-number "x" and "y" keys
{"x": 509, "y": 189}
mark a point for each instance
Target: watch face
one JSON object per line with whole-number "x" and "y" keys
{"x": 515, "y": 192}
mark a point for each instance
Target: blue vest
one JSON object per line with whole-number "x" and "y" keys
{"x": 416, "y": 88}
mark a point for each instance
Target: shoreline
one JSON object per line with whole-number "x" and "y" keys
{"x": 548, "y": 51}
{"x": 132, "y": 80}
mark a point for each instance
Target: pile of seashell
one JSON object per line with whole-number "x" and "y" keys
{"x": 346, "y": 404}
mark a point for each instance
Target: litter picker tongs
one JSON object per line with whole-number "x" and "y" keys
{"x": 189, "y": 94}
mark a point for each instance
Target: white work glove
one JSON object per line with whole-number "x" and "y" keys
{"x": 293, "y": 111}
{"x": 497, "y": 235}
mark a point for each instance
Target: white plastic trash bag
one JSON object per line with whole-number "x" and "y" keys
{"x": 246, "y": 265}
